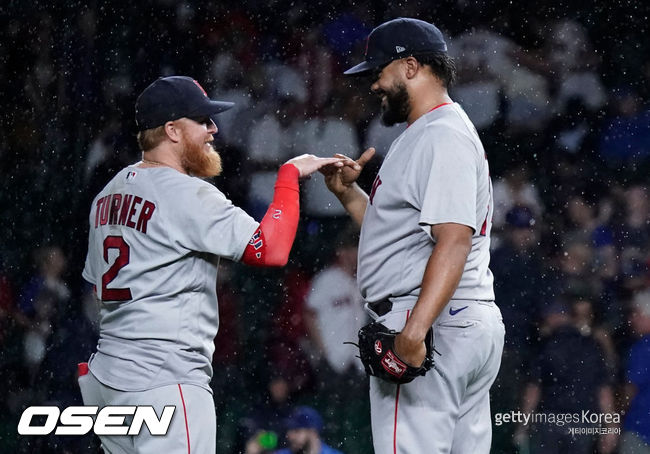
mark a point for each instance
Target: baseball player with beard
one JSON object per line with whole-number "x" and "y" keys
{"x": 157, "y": 232}
{"x": 424, "y": 249}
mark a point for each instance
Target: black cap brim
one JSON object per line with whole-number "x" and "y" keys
{"x": 365, "y": 67}
{"x": 361, "y": 69}
{"x": 215, "y": 107}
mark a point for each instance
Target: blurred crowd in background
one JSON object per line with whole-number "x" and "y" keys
{"x": 560, "y": 96}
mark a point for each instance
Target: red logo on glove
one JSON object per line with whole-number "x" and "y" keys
{"x": 392, "y": 364}
{"x": 378, "y": 348}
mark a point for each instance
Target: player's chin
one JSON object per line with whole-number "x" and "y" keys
{"x": 203, "y": 162}
{"x": 211, "y": 167}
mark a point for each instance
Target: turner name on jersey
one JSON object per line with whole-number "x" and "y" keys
{"x": 124, "y": 209}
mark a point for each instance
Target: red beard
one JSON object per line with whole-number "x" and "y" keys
{"x": 199, "y": 162}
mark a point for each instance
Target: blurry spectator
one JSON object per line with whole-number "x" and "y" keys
{"x": 635, "y": 228}
{"x": 572, "y": 135}
{"x": 303, "y": 433}
{"x": 584, "y": 319}
{"x": 569, "y": 63}
{"x": 344, "y": 31}
{"x": 335, "y": 311}
{"x": 625, "y": 135}
{"x": 228, "y": 342}
{"x": 581, "y": 221}
{"x": 515, "y": 188}
{"x": 101, "y": 152}
{"x": 636, "y": 435}
{"x": 42, "y": 322}
{"x": 574, "y": 276}
{"x": 484, "y": 65}
{"x": 568, "y": 376}
{"x": 252, "y": 103}
{"x": 570, "y": 155}
{"x": 519, "y": 278}
{"x": 264, "y": 428}
{"x": 316, "y": 64}
{"x": 232, "y": 87}
{"x": 50, "y": 265}
{"x": 572, "y": 60}
{"x": 527, "y": 100}
{"x": 633, "y": 238}
{"x": 286, "y": 82}
{"x": 380, "y": 136}
{"x": 285, "y": 350}
{"x": 520, "y": 292}
{"x": 228, "y": 352}
{"x": 271, "y": 140}
{"x": 324, "y": 136}
{"x": 334, "y": 315}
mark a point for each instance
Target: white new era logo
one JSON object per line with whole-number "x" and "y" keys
{"x": 400, "y": 49}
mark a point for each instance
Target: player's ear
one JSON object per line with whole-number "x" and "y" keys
{"x": 173, "y": 132}
{"x": 412, "y": 66}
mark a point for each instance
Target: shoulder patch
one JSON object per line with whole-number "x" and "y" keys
{"x": 130, "y": 176}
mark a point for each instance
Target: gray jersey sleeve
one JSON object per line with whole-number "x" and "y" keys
{"x": 450, "y": 192}
{"x": 209, "y": 222}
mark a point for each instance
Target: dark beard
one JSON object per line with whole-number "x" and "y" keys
{"x": 397, "y": 107}
{"x": 198, "y": 163}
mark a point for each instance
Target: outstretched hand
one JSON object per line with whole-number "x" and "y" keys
{"x": 340, "y": 177}
{"x": 308, "y": 163}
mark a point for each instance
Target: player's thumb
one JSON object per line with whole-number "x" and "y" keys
{"x": 366, "y": 156}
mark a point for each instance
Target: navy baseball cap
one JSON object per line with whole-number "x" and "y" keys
{"x": 174, "y": 97}
{"x": 399, "y": 38}
{"x": 304, "y": 418}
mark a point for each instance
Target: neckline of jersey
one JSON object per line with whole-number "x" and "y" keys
{"x": 440, "y": 105}
{"x": 434, "y": 108}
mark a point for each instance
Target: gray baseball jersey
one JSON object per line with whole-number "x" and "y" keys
{"x": 156, "y": 236}
{"x": 435, "y": 172}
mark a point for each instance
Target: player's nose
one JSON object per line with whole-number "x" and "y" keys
{"x": 212, "y": 127}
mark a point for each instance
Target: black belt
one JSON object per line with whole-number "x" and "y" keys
{"x": 381, "y": 308}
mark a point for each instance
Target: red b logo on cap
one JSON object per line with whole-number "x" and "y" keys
{"x": 199, "y": 85}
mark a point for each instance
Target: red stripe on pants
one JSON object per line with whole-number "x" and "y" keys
{"x": 408, "y": 314}
{"x": 187, "y": 428}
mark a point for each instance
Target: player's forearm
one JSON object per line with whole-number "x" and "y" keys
{"x": 355, "y": 201}
{"x": 441, "y": 277}
{"x": 271, "y": 243}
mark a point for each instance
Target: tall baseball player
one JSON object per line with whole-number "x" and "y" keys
{"x": 424, "y": 252}
{"x": 157, "y": 232}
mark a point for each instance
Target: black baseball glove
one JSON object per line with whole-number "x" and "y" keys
{"x": 376, "y": 350}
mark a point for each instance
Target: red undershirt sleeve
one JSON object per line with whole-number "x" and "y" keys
{"x": 271, "y": 243}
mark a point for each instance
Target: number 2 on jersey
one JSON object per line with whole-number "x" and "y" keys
{"x": 115, "y": 294}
